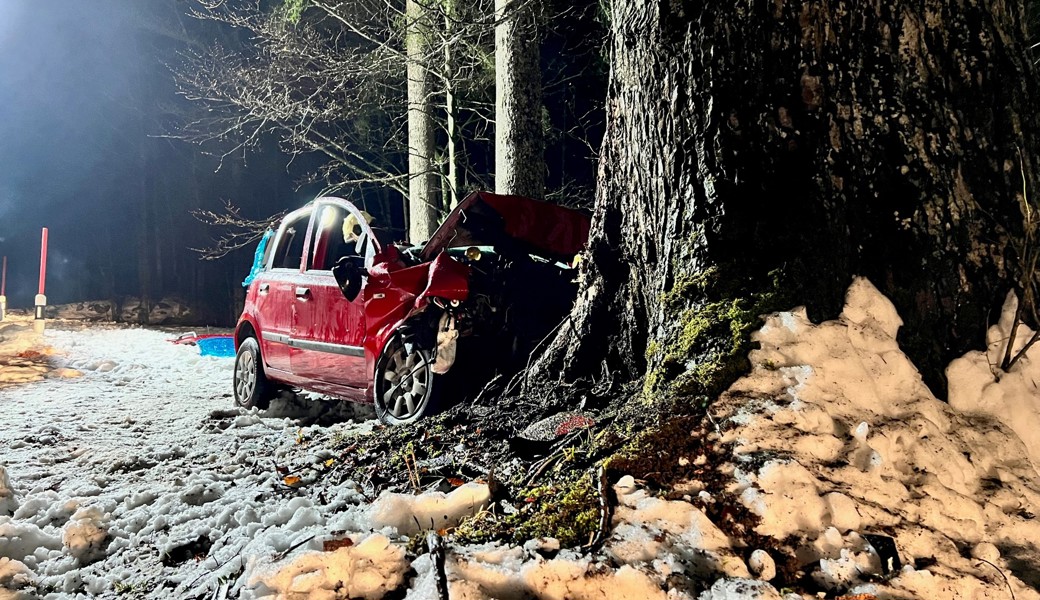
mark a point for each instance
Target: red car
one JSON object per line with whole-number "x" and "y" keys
{"x": 336, "y": 311}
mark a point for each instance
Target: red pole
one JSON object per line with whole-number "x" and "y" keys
{"x": 43, "y": 260}
{"x": 41, "y": 300}
{"x": 3, "y": 278}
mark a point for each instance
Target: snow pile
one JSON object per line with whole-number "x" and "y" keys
{"x": 650, "y": 530}
{"x": 838, "y": 437}
{"x": 14, "y": 576}
{"x": 8, "y": 502}
{"x": 85, "y": 535}
{"x": 410, "y": 514}
{"x": 978, "y": 386}
{"x": 361, "y": 566}
{"x": 370, "y": 569}
{"x": 494, "y": 572}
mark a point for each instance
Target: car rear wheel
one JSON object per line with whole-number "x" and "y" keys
{"x": 405, "y": 386}
{"x": 252, "y": 388}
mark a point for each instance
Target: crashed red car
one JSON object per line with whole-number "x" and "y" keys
{"x": 334, "y": 310}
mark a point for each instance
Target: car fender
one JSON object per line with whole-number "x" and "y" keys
{"x": 447, "y": 278}
{"x": 244, "y": 321}
{"x": 248, "y": 320}
{"x": 395, "y": 296}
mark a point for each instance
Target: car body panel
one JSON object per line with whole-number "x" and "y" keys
{"x": 269, "y": 299}
{"x": 395, "y": 292}
{"x": 274, "y": 309}
{"x": 328, "y": 333}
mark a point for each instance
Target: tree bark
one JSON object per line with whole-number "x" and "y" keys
{"x": 759, "y": 155}
{"x": 519, "y": 145}
{"x": 423, "y": 201}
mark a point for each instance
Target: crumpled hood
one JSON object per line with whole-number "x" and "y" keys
{"x": 529, "y": 226}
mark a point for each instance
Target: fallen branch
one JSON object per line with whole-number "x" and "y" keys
{"x": 413, "y": 470}
{"x": 435, "y": 544}
{"x": 1006, "y": 582}
{"x": 606, "y": 507}
{"x": 1022, "y": 352}
{"x": 487, "y": 389}
{"x": 542, "y": 465}
{"x": 220, "y": 593}
{"x": 280, "y": 555}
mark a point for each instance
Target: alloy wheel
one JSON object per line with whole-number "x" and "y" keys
{"x": 245, "y": 376}
{"x": 405, "y": 384}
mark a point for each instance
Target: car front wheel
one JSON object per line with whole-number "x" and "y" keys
{"x": 252, "y": 389}
{"x": 404, "y": 384}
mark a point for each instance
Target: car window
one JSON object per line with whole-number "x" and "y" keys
{"x": 338, "y": 233}
{"x": 289, "y": 252}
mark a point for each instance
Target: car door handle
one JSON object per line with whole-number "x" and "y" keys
{"x": 302, "y": 292}
{"x": 264, "y": 288}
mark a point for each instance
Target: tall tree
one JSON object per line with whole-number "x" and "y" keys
{"x": 758, "y": 155}
{"x": 452, "y": 172}
{"x": 519, "y": 146}
{"x": 424, "y": 208}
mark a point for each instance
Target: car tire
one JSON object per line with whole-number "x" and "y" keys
{"x": 252, "y": 388}
{"x": 405, "y": 387}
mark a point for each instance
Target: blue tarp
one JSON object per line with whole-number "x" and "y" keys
{"x": 258, "y": 258}
{"x": 219, "y": 345}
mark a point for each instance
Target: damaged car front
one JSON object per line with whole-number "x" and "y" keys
{"x": 446, "y": 317}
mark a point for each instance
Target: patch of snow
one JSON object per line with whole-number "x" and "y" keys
{"x": 85, "y": 535}
{"x": 370, "y": 569}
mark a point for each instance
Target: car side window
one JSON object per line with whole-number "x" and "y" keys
{"x": 338, "y": 233}
{"x": 289, "y": 253}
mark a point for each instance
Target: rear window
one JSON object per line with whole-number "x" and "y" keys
{"x": 288, "y": 254}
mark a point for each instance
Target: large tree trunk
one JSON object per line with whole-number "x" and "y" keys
{"x": 423, "y": 195}
{"x": 759, "y": 155}
{"x": 519, "y": 147}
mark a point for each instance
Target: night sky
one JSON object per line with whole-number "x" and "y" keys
{"x": 61, "y": 79}
{"x": 86, "y": 95}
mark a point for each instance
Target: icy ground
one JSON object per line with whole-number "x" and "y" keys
{"x": 138, "y": 479}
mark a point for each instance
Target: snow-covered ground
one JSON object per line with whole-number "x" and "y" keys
{"x": 139, "y": 479}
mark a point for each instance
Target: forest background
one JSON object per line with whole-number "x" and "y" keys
{"x": 123, "y": 120}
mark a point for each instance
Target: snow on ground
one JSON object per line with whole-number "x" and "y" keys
{"x": 138, "y": 479}
{"x": 115, "y": 481}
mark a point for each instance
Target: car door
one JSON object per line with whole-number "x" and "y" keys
{"x": 328, "y": 330}
{"x": 275, "y": 291}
